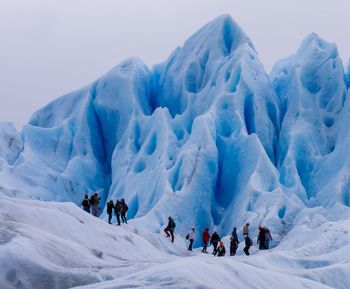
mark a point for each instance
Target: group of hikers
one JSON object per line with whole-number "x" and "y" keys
{"x": 263, "y": 240}
{"x": 120, "y": 208}
{"x": 91, "y": 205}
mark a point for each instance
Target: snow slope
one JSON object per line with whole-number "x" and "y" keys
{"x": 57, "y": 245}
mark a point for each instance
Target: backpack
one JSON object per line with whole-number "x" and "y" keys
{"x": 187, "y": 236}
{"x": 250, "y": 241}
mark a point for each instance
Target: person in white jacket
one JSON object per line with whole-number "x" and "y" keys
{"x": 191, "y": 238}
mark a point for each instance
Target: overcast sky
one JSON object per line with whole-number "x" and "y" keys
{"x": 51, "y": 47}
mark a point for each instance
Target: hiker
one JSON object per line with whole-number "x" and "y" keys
{"x": 248, "y": 243}
{"x": 233, "y": 246}
{"x": 110, "y": 207}
{"x": 234, "y": 242}
{"x": 261, "y": 241}
{"x": 268, "y": 238}
{"x": 234, "y": 234}
{"x": 205, "y": 239}
{"x": 91, "y": 201}
{"x": 246, "y": 230}
{"x": 221, "y": 251}
{"x": 191, "y": 237}
{"x": 123, "y": 209}
{"x": 215, "y": 239}
{"x": 86, "y": 204}
{"x": 94, "y": 205}
{"x": 169, "y": 230}
{"x": 117, "y": 211}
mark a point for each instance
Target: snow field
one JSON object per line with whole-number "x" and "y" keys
{"x": 57, "y": 245}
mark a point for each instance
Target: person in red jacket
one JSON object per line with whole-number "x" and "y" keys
{"x": 123, "y": 209}
{"x": 205, "y": 239}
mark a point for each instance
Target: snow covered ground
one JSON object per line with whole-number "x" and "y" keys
{"x": 58, "y": 245}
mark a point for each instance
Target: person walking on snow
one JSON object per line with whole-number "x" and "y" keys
{"x": 123, "y": 209}
{"x": 91, "y": 201}
{"x": 233, "y": 246}
{"x": 234, "y": 234}
{"x": 246, "y": 230}
{"x": 95, "y": 203}
{"x": 261, "y": 241}
{"x": 191, "y": 238}
{"x": 215, "y": 239}
{"x": 86, "y": 204}
{"x": 169, "y": 230}
{"x": 221, "y": 251}
{"x": 248, "y": 243}
{"x": 110, "y": 207}
{"x": 234, "y": 242}
{"x": 117, "y": 211}
{"x": 205, "y": 239}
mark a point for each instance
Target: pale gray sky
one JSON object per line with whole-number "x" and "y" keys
{"x": 51, "y": 47}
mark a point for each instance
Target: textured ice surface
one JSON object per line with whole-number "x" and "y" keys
{"x": 313, "y": 93}
{"x": 207, "y": 137}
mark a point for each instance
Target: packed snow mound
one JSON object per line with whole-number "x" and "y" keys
{"x": 57, "y": 245}
{"x": 315, "y": 247}
{"x": 193, "y": 273}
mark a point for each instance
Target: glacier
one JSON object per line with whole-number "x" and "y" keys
{"x": 209, "y": 138}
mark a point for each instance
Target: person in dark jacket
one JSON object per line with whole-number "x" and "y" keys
{"x": 123, "y": 209}
{"x": 110, "y": 207}
{"x": 117, "y": 211}
{"x": 91, "y": 201}
{"x": 215, "y": 239}
{"x": 234, "y": 234}
{"x": 221, "y": 251}
{"x": 233, "y": 246}
{"x": 95, "y": 204}
{"x": 261, "y": 240}
{"x": 234, "y": 242}
{"x": 248, "y": 243}
{"x": 205, "y": 239}
{"x": 86, "y": 204}
{"x": 169, "y": 230}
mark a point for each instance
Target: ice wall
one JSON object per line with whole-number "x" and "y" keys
{"x": 313, "y": 93}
